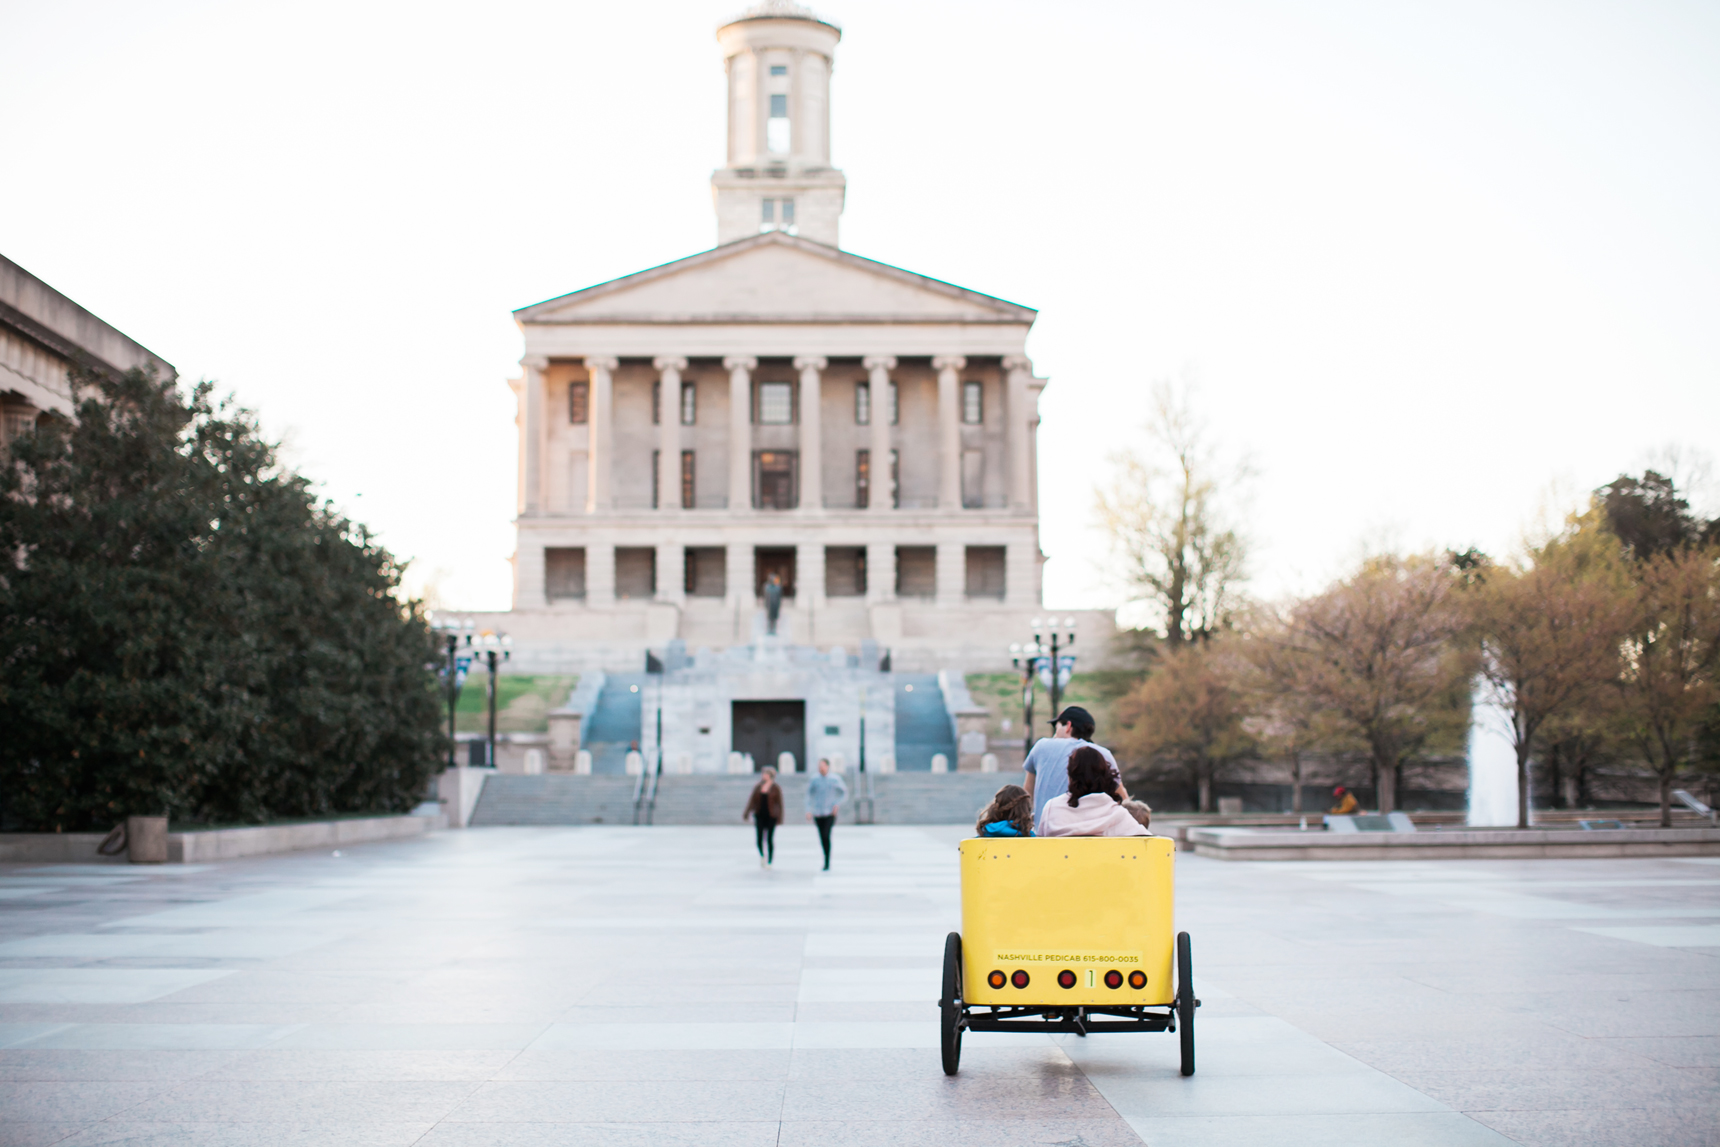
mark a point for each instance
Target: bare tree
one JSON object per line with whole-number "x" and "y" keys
{"x": 1379, "y": 653}
{"x": 1671, "y": 678}
{"x": 1549, "y": 634}
{"x": 1189, "y": 713}
{"x": 1163, "y": 512}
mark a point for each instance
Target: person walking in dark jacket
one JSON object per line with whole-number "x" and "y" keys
{"x": 823, "y": 793}
{"x": 764, "y": 808}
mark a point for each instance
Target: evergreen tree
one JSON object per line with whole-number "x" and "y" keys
{"x": 185, "y": 630}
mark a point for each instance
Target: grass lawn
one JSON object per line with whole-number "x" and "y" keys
{"x": 523, "y": 702}
{"x": 1095, "y": 691}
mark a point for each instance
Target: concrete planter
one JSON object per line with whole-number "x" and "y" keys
{"x": 1481, "y": 844}
{"x": 214, "y": 844}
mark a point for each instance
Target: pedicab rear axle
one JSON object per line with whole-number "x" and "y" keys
{"x": 1076, "y": 1020}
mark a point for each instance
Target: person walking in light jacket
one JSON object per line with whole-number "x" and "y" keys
{"x": 1093, "y": 807}
{"x": 823, "y": 793}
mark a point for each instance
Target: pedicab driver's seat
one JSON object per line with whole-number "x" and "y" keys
{"x": 1059, "y": 930}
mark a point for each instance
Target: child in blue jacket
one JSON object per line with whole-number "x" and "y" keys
{"x": 1010, "y": 813}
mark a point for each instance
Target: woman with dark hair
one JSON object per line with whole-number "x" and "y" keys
{"x": 1010, "y": 813}
{"x": 764, "y": 809}
{"x": 1094, "y": 806}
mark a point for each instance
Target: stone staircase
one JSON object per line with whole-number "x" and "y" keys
{"x": 560, "y": 798}
{"x": 616, "y": 723}
{"x": 555, "y": 798}
{"x": 922, "y": 724}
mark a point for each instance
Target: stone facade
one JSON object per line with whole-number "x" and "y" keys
{"x": 780, "y": 406}
{"x": 43, "y": 335}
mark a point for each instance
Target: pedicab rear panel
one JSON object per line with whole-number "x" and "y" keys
{"x": 1086, "y": 905}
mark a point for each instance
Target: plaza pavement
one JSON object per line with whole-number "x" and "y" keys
{"x": 605, "y": 986}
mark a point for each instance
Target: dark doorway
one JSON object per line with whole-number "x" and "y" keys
{"x": 773, "y": 560}
{"x": 768, "y": 728}
{"x": 774, "y": 486}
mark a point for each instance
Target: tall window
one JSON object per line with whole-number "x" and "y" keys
{"x": 773, "y": 479}
{"x": 973, "y": 403}
{"x": 863, "y": 404}
{"x": 657, "y": 402}
{"x": 686, "y": 479}
{"x": 775, "y": 403}
{"x": 895, "y": 409}
{"x": 689, "y": 404}
{"x": 578, "y": 402}
{"x": 776, "y": 214}
{"x": 863, "y": 478}
{"x": 776, "y": 128}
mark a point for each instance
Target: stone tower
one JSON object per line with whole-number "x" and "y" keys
{"x": 778, "y": 177}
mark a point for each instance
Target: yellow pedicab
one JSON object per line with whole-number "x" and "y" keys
{"x": 1058, "y": 930}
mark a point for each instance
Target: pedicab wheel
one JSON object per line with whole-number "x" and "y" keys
{"x": 1185, "y": 1002}
{"x": 951, "y": 1004}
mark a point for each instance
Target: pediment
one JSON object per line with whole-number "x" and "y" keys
{"x": 775, "y": 278}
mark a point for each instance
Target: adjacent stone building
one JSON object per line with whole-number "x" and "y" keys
{"x": 43, "y": 336}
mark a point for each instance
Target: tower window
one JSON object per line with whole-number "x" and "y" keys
{"x": 779, "y": 69}
{"x": 788, "y": 215}
{"x": 973, "y": 403}
{"x": 767, "y": 214}
{"x": 775, "y": 213}
{"x": 775, "y": 403}
{"x": 863, "y": 404}
{"x": 776, "y": 128}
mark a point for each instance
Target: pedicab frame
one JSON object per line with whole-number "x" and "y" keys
{"x": 1059, "y": 930}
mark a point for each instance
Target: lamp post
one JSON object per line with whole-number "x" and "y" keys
{"x": 455, "y": 672}
{"x": 1043, "y": 657}
{"x": 493, "y": 647}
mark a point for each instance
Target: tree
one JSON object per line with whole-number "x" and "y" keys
{"x": 1163, "y": 513}
{"x": 1187, "y": 712}
{"x": 185, "y": 630}
{"x": 1284, "y": 720}
{"x": 1379, "y": 652}
{"x": 1650, "y": 517}
{"x": 1670, "y": 684}
{"x": 1549, "y": 635}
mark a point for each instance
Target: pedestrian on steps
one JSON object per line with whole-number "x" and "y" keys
{"x": 764, "y": 808}
{"x": 823, "y": 793}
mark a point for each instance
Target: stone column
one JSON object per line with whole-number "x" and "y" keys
{"x": 738, "y": 570}
{"x": 949, "y": 368}
{"x": 1017, "y": 370}
{"x": 952, "y": 574}
{"x": 600, "y": 415}
{"x": 740, "y": 368}
{"x": 669, "y": 435}
{"x": 811, "y": 434}
{"x": 881, "y": 571}
{"x": 600, "y": 575}
{"x": 671, "y": 572}
{"x": 878, "y": 368}
{"x": 531, "y": 435}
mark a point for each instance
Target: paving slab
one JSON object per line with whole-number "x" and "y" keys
{"x": 633, "y": 986}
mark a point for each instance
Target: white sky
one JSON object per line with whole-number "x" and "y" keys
{"x": 1428, "y": 261}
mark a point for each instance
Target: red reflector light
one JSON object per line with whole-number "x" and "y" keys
{"x": 997, "y": 979}
{"x": 1137, "y": 980}
{"x": 1113, "y": 979}
{"x": 1019, "y": 979}
{"x": 1066, "y": 979}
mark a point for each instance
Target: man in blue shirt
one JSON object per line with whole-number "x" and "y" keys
{"x": 1047, "y": 764}
{"x": 823, "y": 793}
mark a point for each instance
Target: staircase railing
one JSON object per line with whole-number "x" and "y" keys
{"x": 645, "y": 796}
{"x": 638, "y": 795}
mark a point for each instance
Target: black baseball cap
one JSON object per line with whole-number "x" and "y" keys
{"x": 1074, "y": 715}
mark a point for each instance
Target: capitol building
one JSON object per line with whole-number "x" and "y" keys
{"x": 776, "y": 409}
